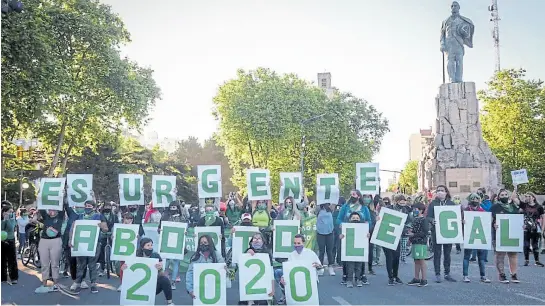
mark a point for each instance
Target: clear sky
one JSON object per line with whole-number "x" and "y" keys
{"x": 386, "y": 51}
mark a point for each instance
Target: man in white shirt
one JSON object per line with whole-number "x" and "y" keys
{"x": 300, "y": 253}
{"x": 22, "y": 222}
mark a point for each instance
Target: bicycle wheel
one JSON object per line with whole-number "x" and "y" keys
{"x": 107, "y": 261}
{"x": 27, "y": 255}
{"x": 430, "y": 248}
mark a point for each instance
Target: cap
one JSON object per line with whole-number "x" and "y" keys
{"x": 246, "y": 216}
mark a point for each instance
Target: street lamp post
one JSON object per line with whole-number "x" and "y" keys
{"x": 23, "y": 145}
{"x": 303, "y": 139}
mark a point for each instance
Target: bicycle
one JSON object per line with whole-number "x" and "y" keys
{"x": 30, "y": 252}
{"x": 107, "y": 252}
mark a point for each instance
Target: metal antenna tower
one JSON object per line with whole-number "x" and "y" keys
{"x": 495, "y": 18}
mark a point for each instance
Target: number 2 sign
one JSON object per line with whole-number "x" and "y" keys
{"x": 255, "y": 277}
{"x": 139, "y": 282}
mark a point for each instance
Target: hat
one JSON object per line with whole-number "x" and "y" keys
{"x": 246, "y": 216}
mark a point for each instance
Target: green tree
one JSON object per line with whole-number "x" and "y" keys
{"x": 513, "y": 124}
{"x": 260, "y": 114}
{"x": 408, "y": 180}
{"x": 86, "y": 91}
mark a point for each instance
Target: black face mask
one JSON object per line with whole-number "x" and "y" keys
{"x": 204, "y": 248}
{"x": 353, "y": 200}
{"x": 147, "y": 252}
{"x": 504, "y": 200}
{"x": 474, "y": 204}
{"x": 132, "y": 209}
{"x": 354, "y": 221}
{"x": 107, "y": 210}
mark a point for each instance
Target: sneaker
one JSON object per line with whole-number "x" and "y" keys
{"x": 466, "y": 279}
{"x": 391, "y": 282}
{"x": 65, "y": 274}
{"x": 349, "y": 284}
{"x": 372, "y": 272}
{"x": 119, "y": 288}
{"x": 364, "y": 280}
{"x": 515, "y": 279}
{"x": 173, "y": 286}
{"x": 484, "y": 279}
{"x": 14, "y": 282}
{"x": 449, "y": 278}
{"x": 170, "y": 304}
{"x": 398, "y": 280}
{"x": 100, "y": 273}
{"x": 76, "y": 289}
{"x": 423, "y": 283}
{"x": 282, "y": 301}
{"x": 503, "y": 279}
{"x": 414, "y": 282}
{"x": 94, "y": 289}
{"x": 359, "y": 283}
{"x": 331, "y": 270}
{"x": 321, "y": 272}
{"x": 343, "y": 281}
{"x": 54, "y": 288}
{"x": 539, "y": 264}
{"x": 84, "y": 285}
{"x": 43, "y": 289}
{"x": 458, "y": 251}
{"x": 473, "y": 259}
{"x": 543, "y": 251}
{"x": 526, "y": 263}
{"x": 178, "y": 279}
{"x": 74, "y": 286}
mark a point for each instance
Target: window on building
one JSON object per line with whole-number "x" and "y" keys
{"x": 476, "y": 184}
{"x": 324, "y": 83}
{"x": 452, "y": 184}
{"x": 465, "y": 188}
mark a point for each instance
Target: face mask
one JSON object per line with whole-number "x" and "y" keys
{"x": 246, "y": 223}
{"x": 474, "y": 204}
{"x": 367, "y": 201}
{"x": 354, "y": 221}
{"x": 231, "y": 204}
{"x": 204, "y": 248}
{"x": 457, "y": 202}
{"x": 88, "y": 210}
{"x": 132, "y": 209}
{"x": 298, "y": 248}
{"x": 107, "y": 211}
{"x": 289, "y": 207}
{"x": 387, "y": 203}
{"x": 12, "y": 215}
{"x": 80, "y": 210}
{"x": 261, "y": 206}
{"x": 504, "y": 200}
{"x": 257, "y": 245}
{"x": 209, "y": 214}
{"x": 173, "y": 210}
{"x": 481, "y": 195}
{"x": 441, "y": 195}
{"x": 353, "y": 200}
{"x": 147, "y": 252}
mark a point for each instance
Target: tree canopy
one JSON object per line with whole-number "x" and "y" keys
{"x": 260, "y": 114}
{"x": 408, "y": 180}
{"x": 513, "y": 124}
{"x": 63, "y": 78}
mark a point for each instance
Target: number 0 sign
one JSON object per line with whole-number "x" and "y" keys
{"x": 209, "y": 284}
{"x": 255, "y": 277}
{"x": 301, "y": 283}
{"x": 139, "y": 282}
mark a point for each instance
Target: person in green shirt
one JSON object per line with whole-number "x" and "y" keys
{"x": 9, "y": 259}
{"x": 234, "y": 209}
{"x": 261, "y": 217}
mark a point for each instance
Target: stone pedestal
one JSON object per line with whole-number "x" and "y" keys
{"x": 457, "y": 156}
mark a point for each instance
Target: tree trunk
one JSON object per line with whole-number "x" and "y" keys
{"x": 66, "y": 155}
{"x": 57, "y": 150}
{"x": 251, "y": 153}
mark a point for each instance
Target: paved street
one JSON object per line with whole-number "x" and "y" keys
{"x": 529, "y": 291}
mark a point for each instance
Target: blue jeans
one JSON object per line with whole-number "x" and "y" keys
{"x": 481, "y": 254}
{"x": 474, "y": 255}
{"x": 22, "y": 242}
{"x": 175, "y": 267}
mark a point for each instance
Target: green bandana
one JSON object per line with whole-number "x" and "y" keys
{"x": 209, "y": 218}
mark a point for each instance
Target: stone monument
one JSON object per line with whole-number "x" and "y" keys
{"x": 457, "y": 156}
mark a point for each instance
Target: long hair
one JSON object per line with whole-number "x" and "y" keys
{"x": 447, "y": 197}
{"x": 294, "y": 210}
{"x": 212, "y": 246}
{"x": 360, "y": 199}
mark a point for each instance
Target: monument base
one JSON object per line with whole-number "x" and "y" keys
{"x": 457, "y": 156}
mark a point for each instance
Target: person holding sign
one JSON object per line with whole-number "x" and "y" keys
{"x": 163, "y": 284}
{"x": 354, "y": 268}
{"x": 234, "y": 209}
{"x": 83, "y": 262}
{"x": 418, "y": 236}
{"x": 211, "y": 219}
{"x": 474, "y": 205}
{"x": 206, "y": 253}
{"x": 354, "y": 204}
{"x": 128, "y": 218}
{"x": 257, "y": 245}
{"x": 505, "y": 205}
{"x": 442, "y": 197}
{"x": 173, "y": 214}
{"x": 50, "y": 245}
{"x": 534, "y": 219}
{"x": 289, "y": 211}
{"x": 300, "y": 253}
